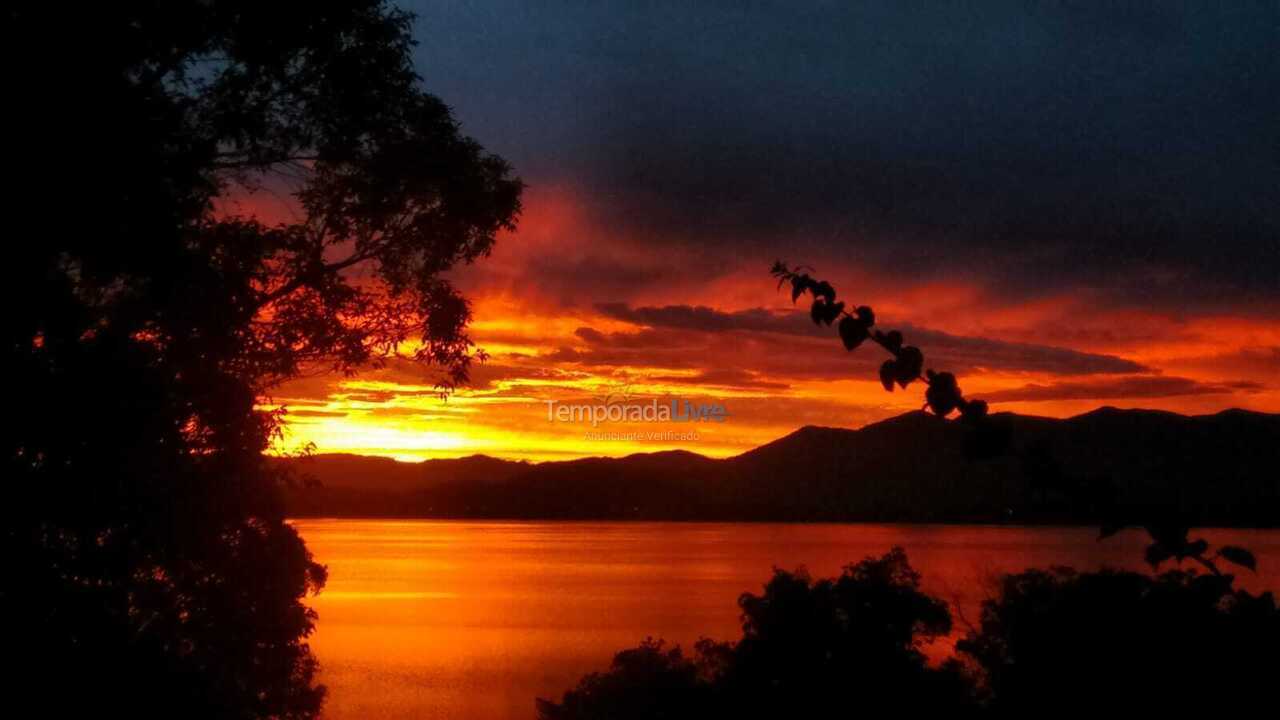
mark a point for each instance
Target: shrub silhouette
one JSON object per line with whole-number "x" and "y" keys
{"x": 808, "y": 649}
{"x": 649, "y": 681}
{"x": 1050, "y": 642}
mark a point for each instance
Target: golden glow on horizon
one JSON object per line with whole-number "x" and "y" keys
{"x": 550, "y": 338}
{"x": 508, "y": 417}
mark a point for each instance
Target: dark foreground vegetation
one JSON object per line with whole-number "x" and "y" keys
{"x": 149, "y": 570}
{"x": 1050, "y": 642}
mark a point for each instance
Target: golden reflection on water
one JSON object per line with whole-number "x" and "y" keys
{"x": 473, "y": 620}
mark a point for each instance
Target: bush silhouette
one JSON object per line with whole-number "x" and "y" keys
{"x": 1051, "y": 641}
{"x": 648, "y": 681}
{"x": 808, "y": 649}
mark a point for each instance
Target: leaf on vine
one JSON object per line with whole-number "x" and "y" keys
{"x": 825, "y": 312}
{"x": 800, "y": 283}
{"x": 892, "y": 340}
{"x": 943, "y": 395}
{"x": 1238, "y": 556}
{"x": 824, "y": 290}
{"x": 910, "y": 364}
{"x": 865, "y": 315}
{"x": 888, "y": 371}
{"x": 853, "y": 331}
{"x": 903, "y": 370}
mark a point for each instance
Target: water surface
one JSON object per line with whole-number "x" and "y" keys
{"x": 473, "y": 620}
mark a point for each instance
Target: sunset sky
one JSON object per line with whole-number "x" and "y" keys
{"x": 1066, "y": 209}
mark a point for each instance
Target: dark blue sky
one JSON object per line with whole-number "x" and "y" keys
{"x": 1041, "y": 145}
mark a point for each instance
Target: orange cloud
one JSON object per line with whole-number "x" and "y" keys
{"x": 572, "y": 306}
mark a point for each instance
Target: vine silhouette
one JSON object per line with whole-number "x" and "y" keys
{"x": 1170, "y": 535}
{"x": 943, "y": 395}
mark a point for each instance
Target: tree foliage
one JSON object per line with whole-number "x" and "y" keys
{"x": 1048, "y": 642}
{"x": 809, "y": 648}
{"x": 151, "y": 569}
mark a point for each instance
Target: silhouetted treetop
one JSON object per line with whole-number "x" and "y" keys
{"x": 198, "y": 102}
{"x": 1048, "y": 642}
{"x": 809, "y": 648}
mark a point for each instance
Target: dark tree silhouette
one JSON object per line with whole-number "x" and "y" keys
{"x": 149, "y": 569}
{"x": 808, "y": 649}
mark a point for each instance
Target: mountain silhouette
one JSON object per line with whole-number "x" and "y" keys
{"x": 1219, "y": 469}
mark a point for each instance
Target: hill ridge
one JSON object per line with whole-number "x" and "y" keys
{"x": 909, "y": 468}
